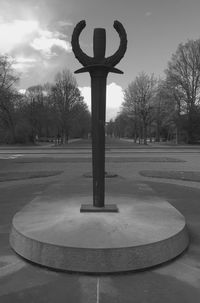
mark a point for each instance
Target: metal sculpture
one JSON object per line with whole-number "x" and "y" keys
{"x": 98, "y": 67}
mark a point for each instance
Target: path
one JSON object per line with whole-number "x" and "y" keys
{"x": 174, "y": 282}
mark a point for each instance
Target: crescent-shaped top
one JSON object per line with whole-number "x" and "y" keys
{"x": 119, "y": 54}
{"x": 79, "y": 54}
{"x": 86, "y": 60}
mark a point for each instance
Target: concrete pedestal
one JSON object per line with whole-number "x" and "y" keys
{"x": 54, "y": 233}
{"x": 108, "y": 208}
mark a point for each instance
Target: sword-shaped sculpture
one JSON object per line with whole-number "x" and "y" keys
{"x": 98, "y": 67}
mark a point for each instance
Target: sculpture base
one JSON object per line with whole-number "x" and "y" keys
{"x": 107, "y": 175}
{"x": 52, "y": 232}
{"x": 109, "y": 208}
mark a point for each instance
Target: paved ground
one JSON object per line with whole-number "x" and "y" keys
{"x": 176, "y": 281}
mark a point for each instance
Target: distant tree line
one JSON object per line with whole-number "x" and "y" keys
{"x": 50, "y": 111}
{"x": 167, "y": 108}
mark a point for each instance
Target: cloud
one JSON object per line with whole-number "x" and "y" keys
{"x": 114, "y": 99}
{"x": 86, "y": 93}
{"x": 64, "y": 23}
{"x": 29, "y": 33}
{"x": 23, "y": 63}
{"x": 47, "y": 40}
{"x": 34, "y": 35}
{"x": 114, "y": 95}
{"x": 25, "y": 60}
{"x": 14, "y": 33}
{"x": 22, "y": 91}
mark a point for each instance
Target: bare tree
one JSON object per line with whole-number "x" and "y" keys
{"x": 138, "y": 101}
{"x": 80, "y": 120}
{"x": 184, "y": 72}
{"x": 8, "y": 94}
{"x": 65, "y": 94}
{"x": 35, "y": 110}
{"x": 130, "y": 108}
{"x": 173, "y": 106}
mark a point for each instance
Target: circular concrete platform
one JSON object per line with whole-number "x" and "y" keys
{"x": 54, "y": 233}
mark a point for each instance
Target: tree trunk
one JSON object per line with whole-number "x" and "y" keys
{"x": 150, "y": 137}
{"x": 12, "y": 131}
{"x": 145, "y": 133}
{"x": 65, "y": 137}
{"x": 190, "y": 130}
{"x": 139, "y": 132}
{"x": 135, "y": 137}
{"x": 157, "y": 131}
{"x": 177, "y": 134}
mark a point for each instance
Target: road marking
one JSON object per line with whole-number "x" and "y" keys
{"x": 16, "y": 156}
{"x": 11, "y": 156}
{"x": 98, "y": 282}
{"x": 10, "y": 264}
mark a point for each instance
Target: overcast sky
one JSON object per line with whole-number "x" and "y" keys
{"x": 37, "y": 33}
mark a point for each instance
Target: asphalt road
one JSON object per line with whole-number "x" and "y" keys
{"x": 175, "y": 281}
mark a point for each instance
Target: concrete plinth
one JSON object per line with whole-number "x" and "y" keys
{"x": 54, "y": 233}
{"x": 108, "y": 208}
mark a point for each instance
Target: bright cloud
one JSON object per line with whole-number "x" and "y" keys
{"x": 114, "y": 99}
{"x": 25, "y": 60}
{"x": 22, "y": 91}
{"x": 64, "y": 23}
{"x": 114, "y": 95}
{"x": 86, "y": 93}
{"x": 29, "y": 33}
{"x": 47, "y": 40}
{"x": 22, "y": 63}
{"x": 14, "y": 33}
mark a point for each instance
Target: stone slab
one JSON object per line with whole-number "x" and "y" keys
{"x": 107, "y": 175}
{"x": 53, "y": 232}
{"x": 109, "y": 208}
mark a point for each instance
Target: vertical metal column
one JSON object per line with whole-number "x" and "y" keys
{"x": 98, "y": 84}
{"x": 98, "y": 67}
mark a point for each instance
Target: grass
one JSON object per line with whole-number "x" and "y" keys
{"x": 177, "y": 175}
{"x": 12, "y": 176}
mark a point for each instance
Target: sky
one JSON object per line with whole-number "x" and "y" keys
{"x": 37, "y": 34}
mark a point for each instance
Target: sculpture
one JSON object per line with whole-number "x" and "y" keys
{"x": 98, "y": 67}
{"x": 146, "y": 232}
